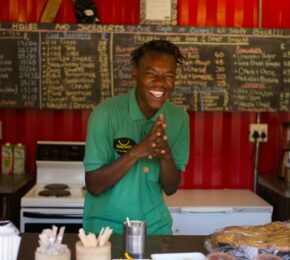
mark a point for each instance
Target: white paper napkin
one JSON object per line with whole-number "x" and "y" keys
{"x": 9, "y": 241}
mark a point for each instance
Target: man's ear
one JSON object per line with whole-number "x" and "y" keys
{"x": 134, "y": 73}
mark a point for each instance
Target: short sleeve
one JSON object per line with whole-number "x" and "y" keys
{"x": 180, "y": 148}
{"x": 98, "y": 150}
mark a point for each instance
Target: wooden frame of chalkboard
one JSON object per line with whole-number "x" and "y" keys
{"x": 76, "y": 66}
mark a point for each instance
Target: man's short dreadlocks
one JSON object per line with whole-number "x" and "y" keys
{"x": 162, "y": 46}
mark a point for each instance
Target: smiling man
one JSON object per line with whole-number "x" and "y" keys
{"x": 137, "y": 145}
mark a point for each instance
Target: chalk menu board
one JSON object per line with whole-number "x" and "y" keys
{"x": 64, "y": 66}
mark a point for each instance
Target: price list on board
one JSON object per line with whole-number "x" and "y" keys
{"x": 19, "y": 76}
{"x": 284, "y": 104}
{"x": 77, "y": 66}
{"x": 69, "y": 72}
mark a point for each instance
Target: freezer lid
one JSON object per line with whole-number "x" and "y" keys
{"x": 225, "y": 210}
{"x": 216, "y": 200}
{"x": 201, "y": 209}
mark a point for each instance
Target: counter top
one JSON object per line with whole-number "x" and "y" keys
{"x": 275, "y": 184}
{"x": 154, "y": 244}
{"x": 12, "y": 183}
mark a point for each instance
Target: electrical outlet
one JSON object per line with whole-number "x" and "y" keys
{"x": 261, "y": 130}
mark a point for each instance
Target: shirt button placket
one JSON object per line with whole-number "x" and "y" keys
{"x": 146, "y": 128}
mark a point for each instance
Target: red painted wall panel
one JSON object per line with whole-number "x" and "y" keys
{"x": 220, "y": 155}
{"x": 118, "y": 12}
{"x": 240, "y": 13}
{"x": 66, "y": 12}
{"x": 29, "y": 126}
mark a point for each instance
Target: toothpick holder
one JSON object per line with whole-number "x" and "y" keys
{"x": 45, "y": 256}
{"x": 89, "y": 253}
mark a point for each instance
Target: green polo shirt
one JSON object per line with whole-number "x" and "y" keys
{"x": 114, "y": 127}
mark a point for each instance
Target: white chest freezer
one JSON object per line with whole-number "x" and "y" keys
{"x": 202, "y": 212}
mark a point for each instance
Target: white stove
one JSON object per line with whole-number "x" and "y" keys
{"x": 57, "y": 164}
{"x": 75, "y": 199}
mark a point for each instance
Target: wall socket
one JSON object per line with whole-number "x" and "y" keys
{"x": 261, "y": 130}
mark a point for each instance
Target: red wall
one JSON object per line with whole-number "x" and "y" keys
{"x": 220, "y": 156}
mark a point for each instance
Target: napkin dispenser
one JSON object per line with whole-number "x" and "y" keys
{"x": 9, "y": 240}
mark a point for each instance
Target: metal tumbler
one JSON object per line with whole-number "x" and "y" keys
{"x": 134, "y": 236}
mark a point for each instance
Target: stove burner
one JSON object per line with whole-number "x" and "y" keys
{"x": 55, "y": 190}
{"x": 58, "y": 186}
{"x": 54, "y": 193}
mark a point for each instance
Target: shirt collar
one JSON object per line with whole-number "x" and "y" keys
{"x": 135, "y": 111}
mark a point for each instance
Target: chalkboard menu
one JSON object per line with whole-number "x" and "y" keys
{"x": 76, "y": 66}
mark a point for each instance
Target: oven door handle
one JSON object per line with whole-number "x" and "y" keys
{"x": 51, "y": 216}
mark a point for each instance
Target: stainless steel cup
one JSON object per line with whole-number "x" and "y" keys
{"x": 134, "y": 236}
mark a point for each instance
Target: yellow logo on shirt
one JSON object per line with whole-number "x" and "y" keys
{"x": 123, "y": 145}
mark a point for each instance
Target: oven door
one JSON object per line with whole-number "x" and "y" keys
{"x": 37, "y": 219}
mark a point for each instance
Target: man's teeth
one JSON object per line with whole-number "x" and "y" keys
{"x": 156, "y": 93}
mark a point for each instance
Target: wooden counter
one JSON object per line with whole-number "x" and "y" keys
{"x": 12, "y": 183}
{"x": 12, "y": 188}
{"x": 276, "y": 192}
{"x": 275, "y": 184}
{"x": 154, "y": 244}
